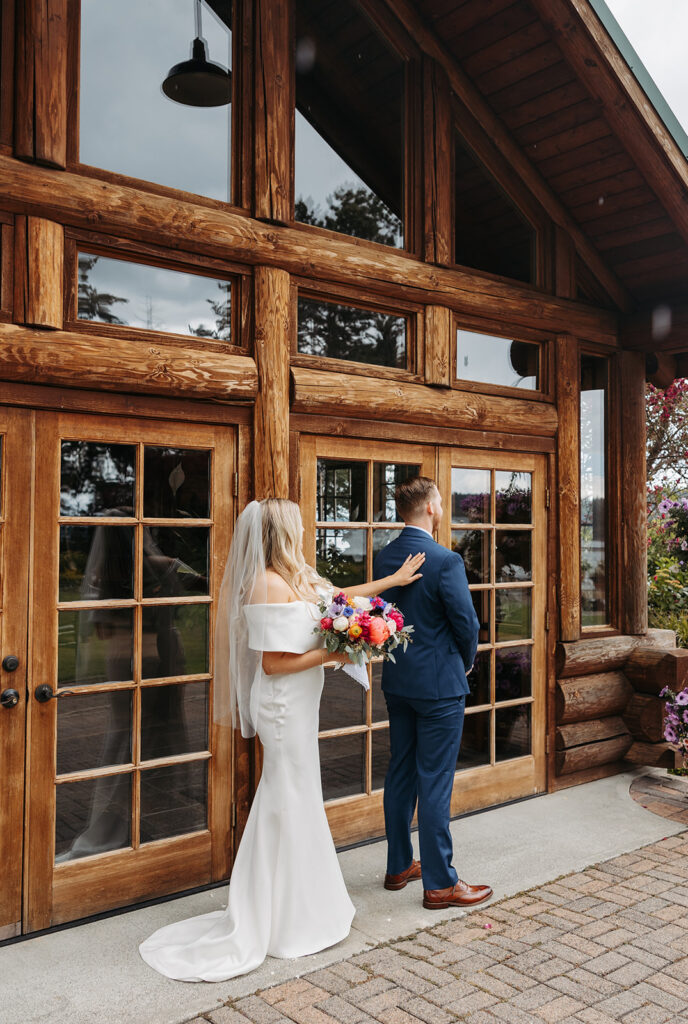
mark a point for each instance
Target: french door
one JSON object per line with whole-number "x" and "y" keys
{"x": 495, "y": 516}
{"x": 128, "y": 782}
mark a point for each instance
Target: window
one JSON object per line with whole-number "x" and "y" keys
{"x": 593, "y": 485}
{"x": 119, "y": 292}
{"x": 489, "y": 359}
{"x": 349, "y": 149}
{"x": 126, "y": 123}
{"x": 352, "y": 333}
{"x": 490, "y": 232}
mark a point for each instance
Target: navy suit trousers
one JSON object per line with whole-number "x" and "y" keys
{"x": 425, "y": 736}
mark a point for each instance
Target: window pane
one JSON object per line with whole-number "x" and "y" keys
{"x": 513, "y": 497}
{"x": 513, "y": 672}
{"x": 126, "y": 123}
{"x": 347, "y": 332}
{"x": 593, "y": 512}
{"x": 379, "y": 739}
{"x": 97, "y": 479}
{"x": 490, "y": 233}
{"x": 512, "y": 732}
{"x": 513, "y": 614}
{"x": 96, "y": 563}
{"x": 95, "y": 646}
{"x": 349, "y": 158}
{"x": 153, "y": 298}
{"x": 341, "y": 556}
{"x": 342, "y": 493}
{"x": 176, "y": 483}
{"x": 492, "y": 360}
{"x": 175, "y": 560}
{"x": 174, "y": 719}
{"x": 481, "y": 603}
{"x": 386, "y": 478}
{"x": 479, "y": 680}
{"x": 174, "y": 800}
{"x": 474, "y": 547}
{"x": 342, "y": 703}
{"x": 475, "y": 741}
{"x": 470, "y": 499}
{"x": 513, "y": 556}
{"x": 174, "y": 641}
{"x": 93, "y": 730}
{"x": 379, "y": 704}
{"x": 342, "y": 765}
{"x": 381, "y": 538}
{"x": 92, "y": 816}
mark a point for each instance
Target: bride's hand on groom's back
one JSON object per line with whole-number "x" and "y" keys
{"x": 408, "y": 571}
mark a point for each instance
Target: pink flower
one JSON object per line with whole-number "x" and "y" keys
{"x": 326, "y": 623}
{"x": 396, "y": 617}
{"x": 377, "y": 630}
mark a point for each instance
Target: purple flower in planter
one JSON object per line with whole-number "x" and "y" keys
{"x": 682, "y": 697}
{"x": 664, "y": 692}
{"x": 685, "y": 716}
{"x": 670, "y": 734}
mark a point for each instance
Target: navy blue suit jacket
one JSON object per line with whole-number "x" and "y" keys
{"x": 440, "y": 609}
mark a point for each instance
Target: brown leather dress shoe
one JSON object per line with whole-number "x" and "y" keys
{"x": 460, "y": 895}
{"x": 395, "y": 882}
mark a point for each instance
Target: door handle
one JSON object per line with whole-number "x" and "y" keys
{"x": 10, "y": 663}
{"x": 9, "y": 698}
{"x": 45, "y": 692}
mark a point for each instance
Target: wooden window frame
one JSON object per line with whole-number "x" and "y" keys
{"x": 397, "y": 39}
{"x": 545, "y": 393}
{"x": 612, "y": 471}
{"x": 111, "y": 247}
{"x": 322, "y": 292}
{"x": 6, "y": 266}
{"x": 240, "y": 183}
{"x": 6, "y": 75}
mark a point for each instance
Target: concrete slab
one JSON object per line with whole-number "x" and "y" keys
{"x": 92, "y": 972}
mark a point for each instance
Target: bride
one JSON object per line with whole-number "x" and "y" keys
{"x": 287, "y": 897}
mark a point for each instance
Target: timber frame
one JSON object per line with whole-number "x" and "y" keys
{"x": 544, "y": 101}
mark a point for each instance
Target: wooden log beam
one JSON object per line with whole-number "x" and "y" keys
{"x": 326, "y": 393}
{"x": 273, "y": 329}
{"x": 437, "y": 340}
{"x": 644, "y": 717}
{"x": 105, "y": 207}
{"x": 38, "y": 272}
{"x": 274, "y": 111}
{"x": 588, "y": 697}
{"x": 590, "y": 732}
{"x": 577, "y": 759}
{"x": 568, "y": 485}
{"x": 650, "y": 670}
{"x": 654, "y": 755}
{"x": 589, "y": 49}
{"x": 661, "y": 369}
{"x": 40, "y": 129}
{"x": 495, "y": 131}
{"x": 606, "y": 653}
{"x": 633, "y": 553}
{"x": 437, "y": 164}
{"x": 75, "y": 360}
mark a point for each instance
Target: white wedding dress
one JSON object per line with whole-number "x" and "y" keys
{"x": 287, "y": 897}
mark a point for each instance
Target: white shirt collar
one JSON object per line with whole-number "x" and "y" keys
{"x": 412, "y": 526}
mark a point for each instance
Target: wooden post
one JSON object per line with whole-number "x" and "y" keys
{"x": 633, "y": 553}
{"x": 568, "y": 462}
{"x": 40, "y": 131}
{"x": 274, "y": 112}
{"x": 38, "y": 272}
{"x": 438, "y": 138}
{"x": 273, "y": 329}
{"x": 438, "y": 341}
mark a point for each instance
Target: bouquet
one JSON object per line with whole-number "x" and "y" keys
{"x": 676, "y": 725}
{"x": 363, "y": 628}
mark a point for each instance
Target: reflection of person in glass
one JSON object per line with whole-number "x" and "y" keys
{"x": 104, "y": 655}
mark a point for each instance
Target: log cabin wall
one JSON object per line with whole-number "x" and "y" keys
{"x": 534, "y": 201}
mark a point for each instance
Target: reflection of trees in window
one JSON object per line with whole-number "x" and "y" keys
{"x": 92, "y": 304}
{"x": 593, "y": 487}
{"x": 222, "y": 308}
{"x": 347, "y": 332}
{"x": 350, "y": 91}
{"x": 352, "y": 210}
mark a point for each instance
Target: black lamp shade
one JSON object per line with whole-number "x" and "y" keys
{"x": 198, "y": 82}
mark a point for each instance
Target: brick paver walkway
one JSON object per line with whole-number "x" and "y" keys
{"x": 602, "y": 946}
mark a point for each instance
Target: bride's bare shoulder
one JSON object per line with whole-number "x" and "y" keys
{"x": 272, "y": 589}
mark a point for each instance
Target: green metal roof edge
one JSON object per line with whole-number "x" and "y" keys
{"x": 641, "y": 73}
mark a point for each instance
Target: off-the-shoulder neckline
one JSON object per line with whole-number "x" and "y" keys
{"x": 276, "y": 604}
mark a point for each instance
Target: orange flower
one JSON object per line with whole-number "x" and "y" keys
{"x": 355, "y": 631}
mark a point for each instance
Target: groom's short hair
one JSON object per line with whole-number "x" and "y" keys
{"x": 412, "y": 496}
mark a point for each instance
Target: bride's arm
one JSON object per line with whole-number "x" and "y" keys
{"x": 405, "y": 574}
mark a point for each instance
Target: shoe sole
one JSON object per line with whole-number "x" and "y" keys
{"x": 447, "y": 904}
{"x": 396, "y": 886}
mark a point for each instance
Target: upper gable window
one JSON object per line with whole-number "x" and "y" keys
{"x": 349, "y": 148}
{"x": 490, "y": 232}
{"x": 126, "y": 122}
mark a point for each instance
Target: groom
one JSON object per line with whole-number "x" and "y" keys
{"x": 425, "y": 693}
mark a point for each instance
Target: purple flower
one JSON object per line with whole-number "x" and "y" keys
{"x": 672, "y": 719}
{"x": 685, "y": 716}
{"x": 682, "y": 697}
{"x": 334, "y": 610}
{"x": 662, "y": 693}
{"x": 670, "y": 734}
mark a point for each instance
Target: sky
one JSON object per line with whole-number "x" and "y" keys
{"x": 658, "y": 32}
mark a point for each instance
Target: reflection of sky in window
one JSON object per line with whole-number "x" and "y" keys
{"x": 158, "y": 299}
{"x": 486, "y": 358}
{"x": 592, "y": 450}
{"x": 127, "y": 124}
{"x": 318, "y": 169}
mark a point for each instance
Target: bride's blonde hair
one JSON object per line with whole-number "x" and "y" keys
{"x": 282, "y": 545}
